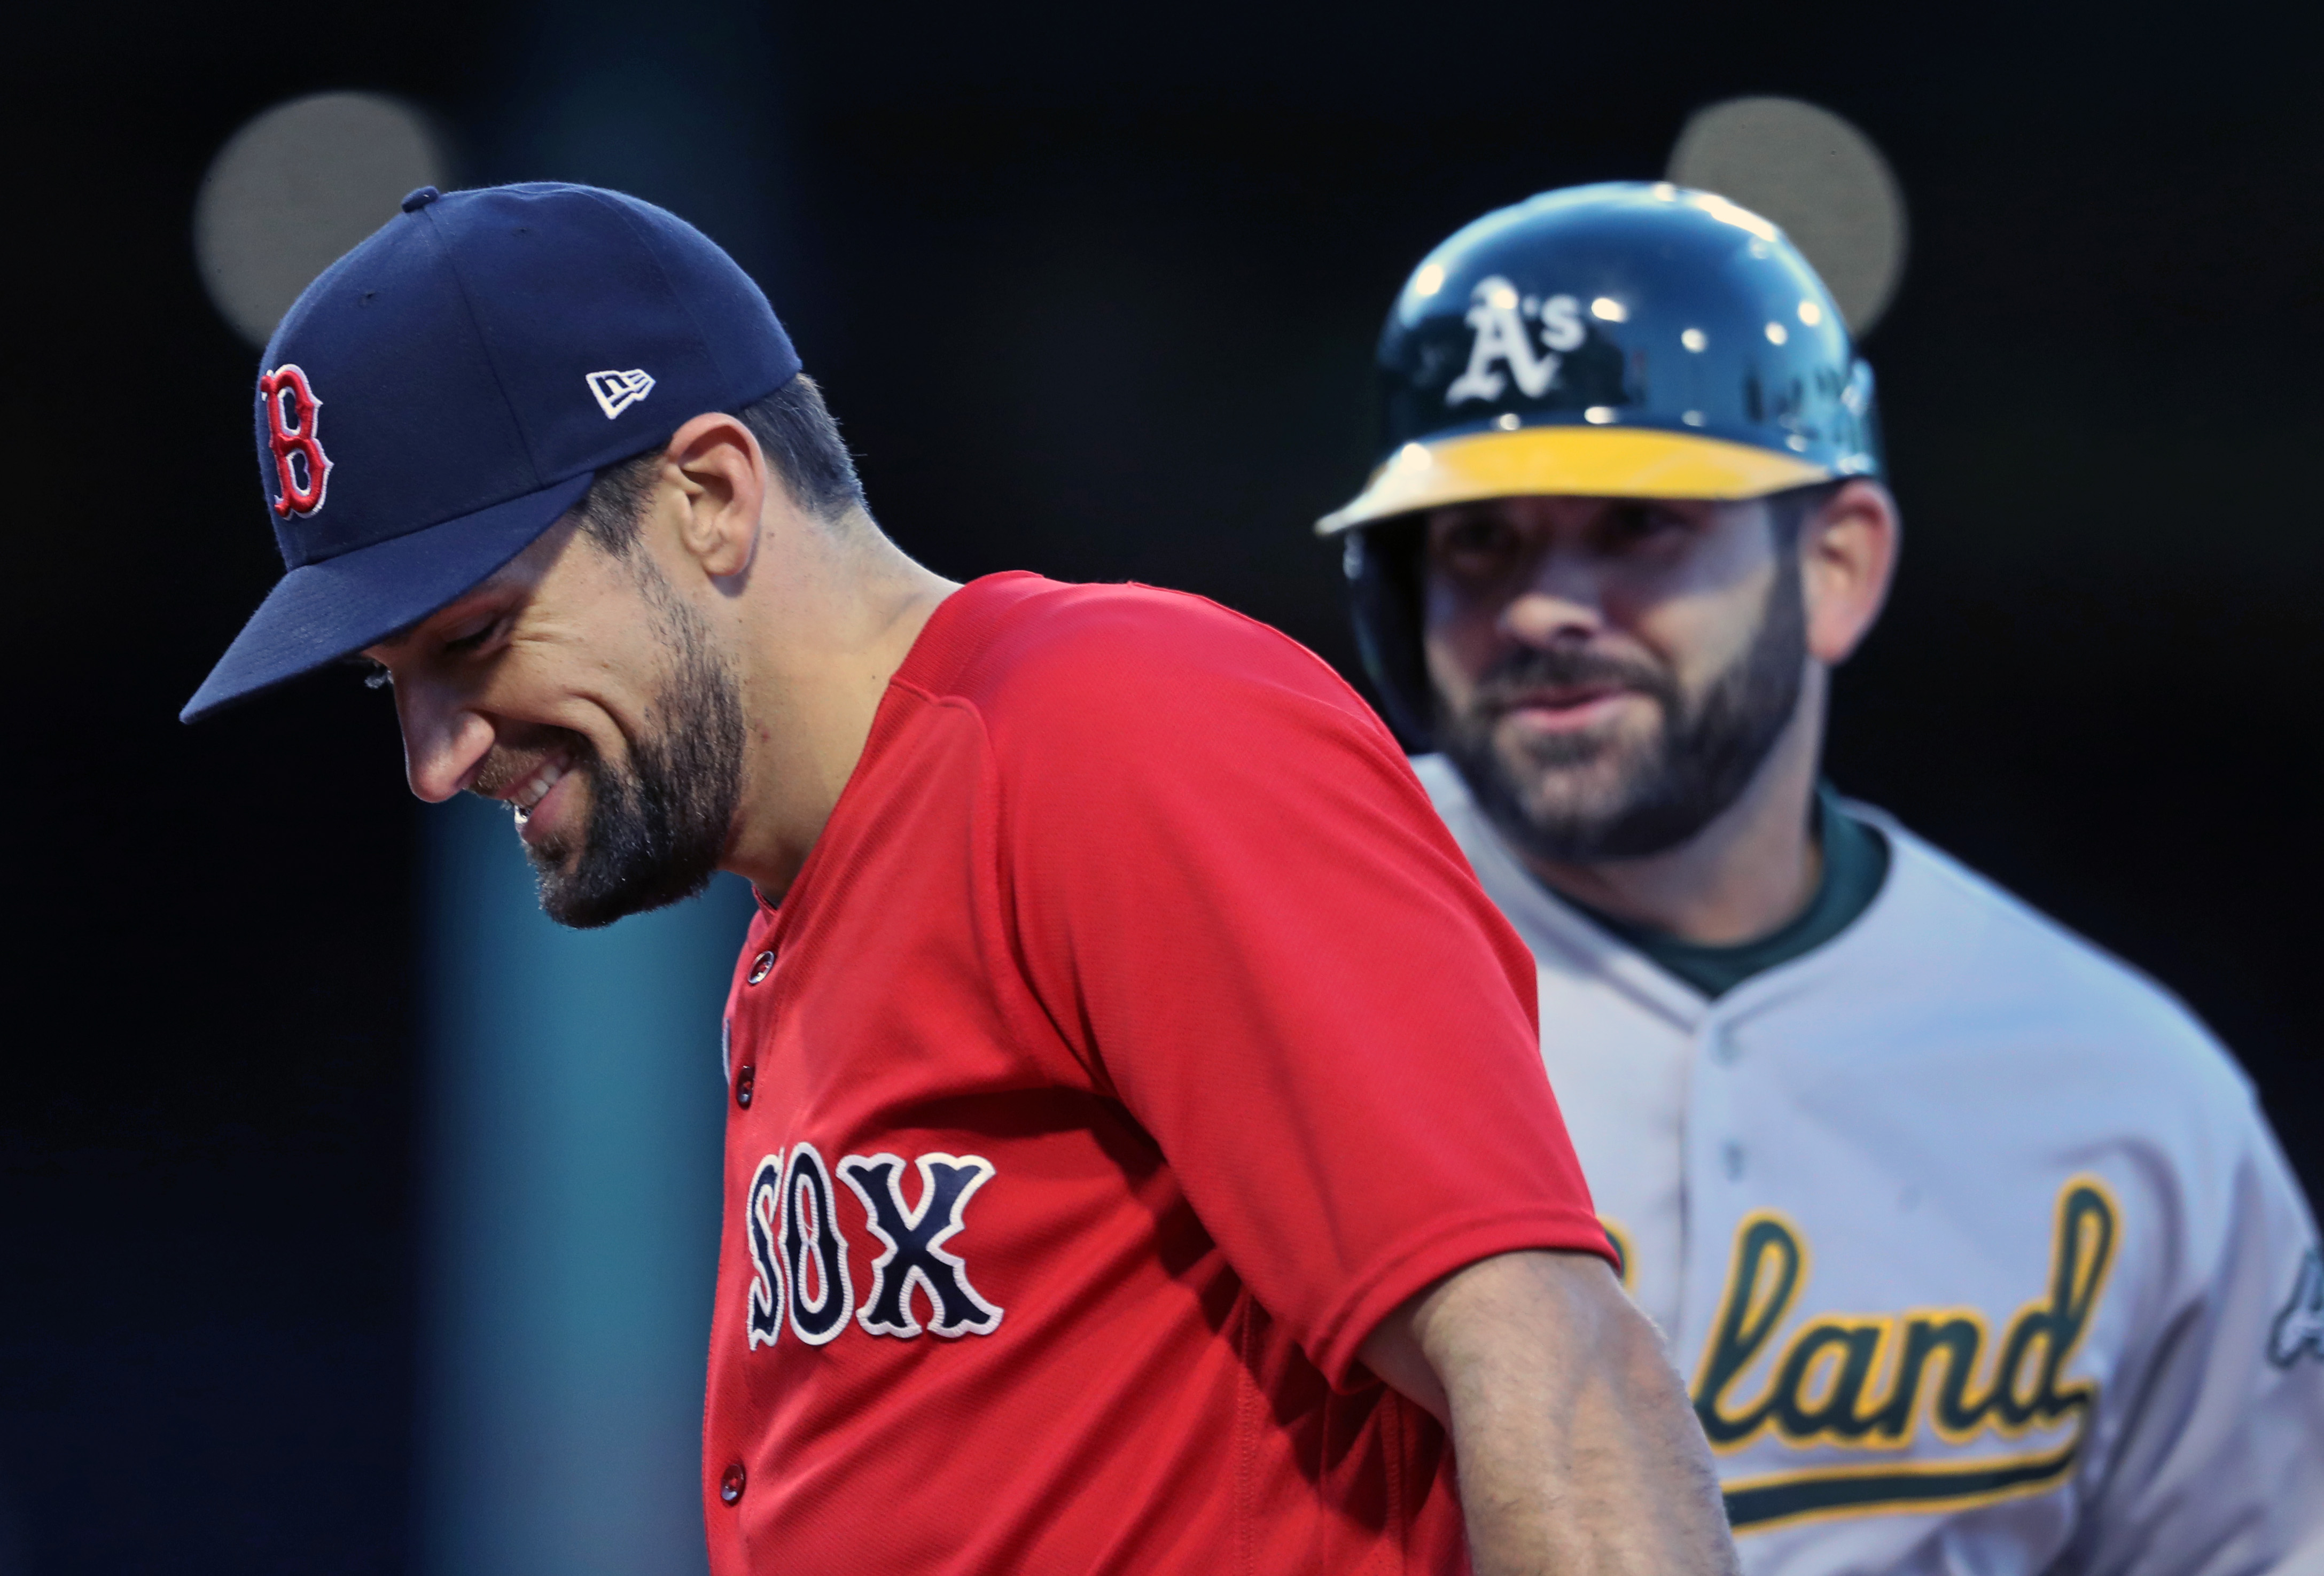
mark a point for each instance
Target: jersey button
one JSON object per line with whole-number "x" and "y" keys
{"x": 760, "y": 967}
{"x": 730, "y": 1483}
{"x": 743, "y": 1077}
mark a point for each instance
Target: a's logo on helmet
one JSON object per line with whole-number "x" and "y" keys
{"x": 1504, "y": 322}
{"x": 302, "y": 469}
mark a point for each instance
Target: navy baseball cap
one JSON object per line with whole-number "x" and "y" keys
{"x": 445, "y": 393}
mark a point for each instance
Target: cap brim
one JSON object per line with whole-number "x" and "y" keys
{"x": 1586, "y": 462}
{"x": 322, "y": 611}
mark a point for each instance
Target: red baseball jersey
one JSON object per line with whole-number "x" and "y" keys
{"x": 1133, "y": 1039}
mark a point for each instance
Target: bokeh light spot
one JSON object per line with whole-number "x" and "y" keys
{"x": 297, "y": 186}
{"x": 1815, "y": 175}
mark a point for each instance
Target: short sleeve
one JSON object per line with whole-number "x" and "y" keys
{"x": 1232, "y": 896}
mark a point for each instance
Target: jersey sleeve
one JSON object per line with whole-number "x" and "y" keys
{"x": 2221, "y": 1472}
{"x": 1233, "y": 898}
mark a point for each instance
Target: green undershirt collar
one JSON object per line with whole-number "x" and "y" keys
{"x": 1855, "y": 864}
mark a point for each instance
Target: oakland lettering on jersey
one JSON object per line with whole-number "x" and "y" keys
{"x": 800, "y": 1271}
{"x": 1870, "y": 1381}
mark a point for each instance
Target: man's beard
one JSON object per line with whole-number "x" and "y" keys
{"x": 657, "y": 826}
{"x": 1703, "y": 757}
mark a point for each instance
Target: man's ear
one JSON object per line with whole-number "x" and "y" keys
{"x": 1848, "y": 553}
{"x": 721, "y": 483}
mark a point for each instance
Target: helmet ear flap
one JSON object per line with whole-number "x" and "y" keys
{"x": 1382, "y": 563}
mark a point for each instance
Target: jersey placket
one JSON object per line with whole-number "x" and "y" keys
{"x": 1713, "y": 1189}
{"x": 1731, "y": 1168}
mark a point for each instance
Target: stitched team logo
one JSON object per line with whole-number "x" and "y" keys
{"x": 2298, "y": 1330}
{"x": 1879, "y": 1383}
{"x": 1506, "y": 323}
{"x": 799, "y": 1259}
{"x": 763, "y": 1208}
{"x": 814, "y": 1255}
{"x": 616, "y": 391}
{"x": 914, "y": 1243}
{"x": 303, "y": 471}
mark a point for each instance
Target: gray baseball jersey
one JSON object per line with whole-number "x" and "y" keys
{"x": 1970, "y": 1241}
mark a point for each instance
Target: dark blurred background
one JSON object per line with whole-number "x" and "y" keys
{"x": 1093, "y": 292}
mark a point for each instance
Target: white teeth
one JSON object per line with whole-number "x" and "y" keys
{"x": 535, "y": 789}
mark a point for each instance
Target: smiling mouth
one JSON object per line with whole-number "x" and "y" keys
{"x": 525, "y": 794}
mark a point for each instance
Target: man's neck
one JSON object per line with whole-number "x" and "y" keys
{"x": 826, "y": 650}
{"x": 1745, "y": 874}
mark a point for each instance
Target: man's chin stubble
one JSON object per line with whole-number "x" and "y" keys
{"x": 1565, "y": 791}
{"x": 557, "y": 869}
{"x": 1554, "y": 797}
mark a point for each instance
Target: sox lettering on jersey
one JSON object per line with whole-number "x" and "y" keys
{"x": 762, "y": 1209}
{"x": 799, "y": 1257}
{"x": 302, "y": 470}
{"x": 915, "y": 1244}
{"x": 1865, "y": 1381}
{"x": 814, "y": 1255}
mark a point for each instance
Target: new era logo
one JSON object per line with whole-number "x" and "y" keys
{"x": 616, "y": 391}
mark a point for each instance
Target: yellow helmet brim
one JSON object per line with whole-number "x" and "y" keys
{"x": 1586, "y": 462}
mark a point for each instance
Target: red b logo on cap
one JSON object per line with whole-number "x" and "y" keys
{"x": 299, "y": 462}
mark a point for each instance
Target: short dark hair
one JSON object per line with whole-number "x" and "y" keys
{"x": 801, "y": 441}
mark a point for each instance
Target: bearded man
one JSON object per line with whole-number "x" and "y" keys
{"x": 1137, "y": 1156}
{"x": 1976, "y": 1243}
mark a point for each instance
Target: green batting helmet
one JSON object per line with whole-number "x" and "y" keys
{"x": 1627, "y": 340}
